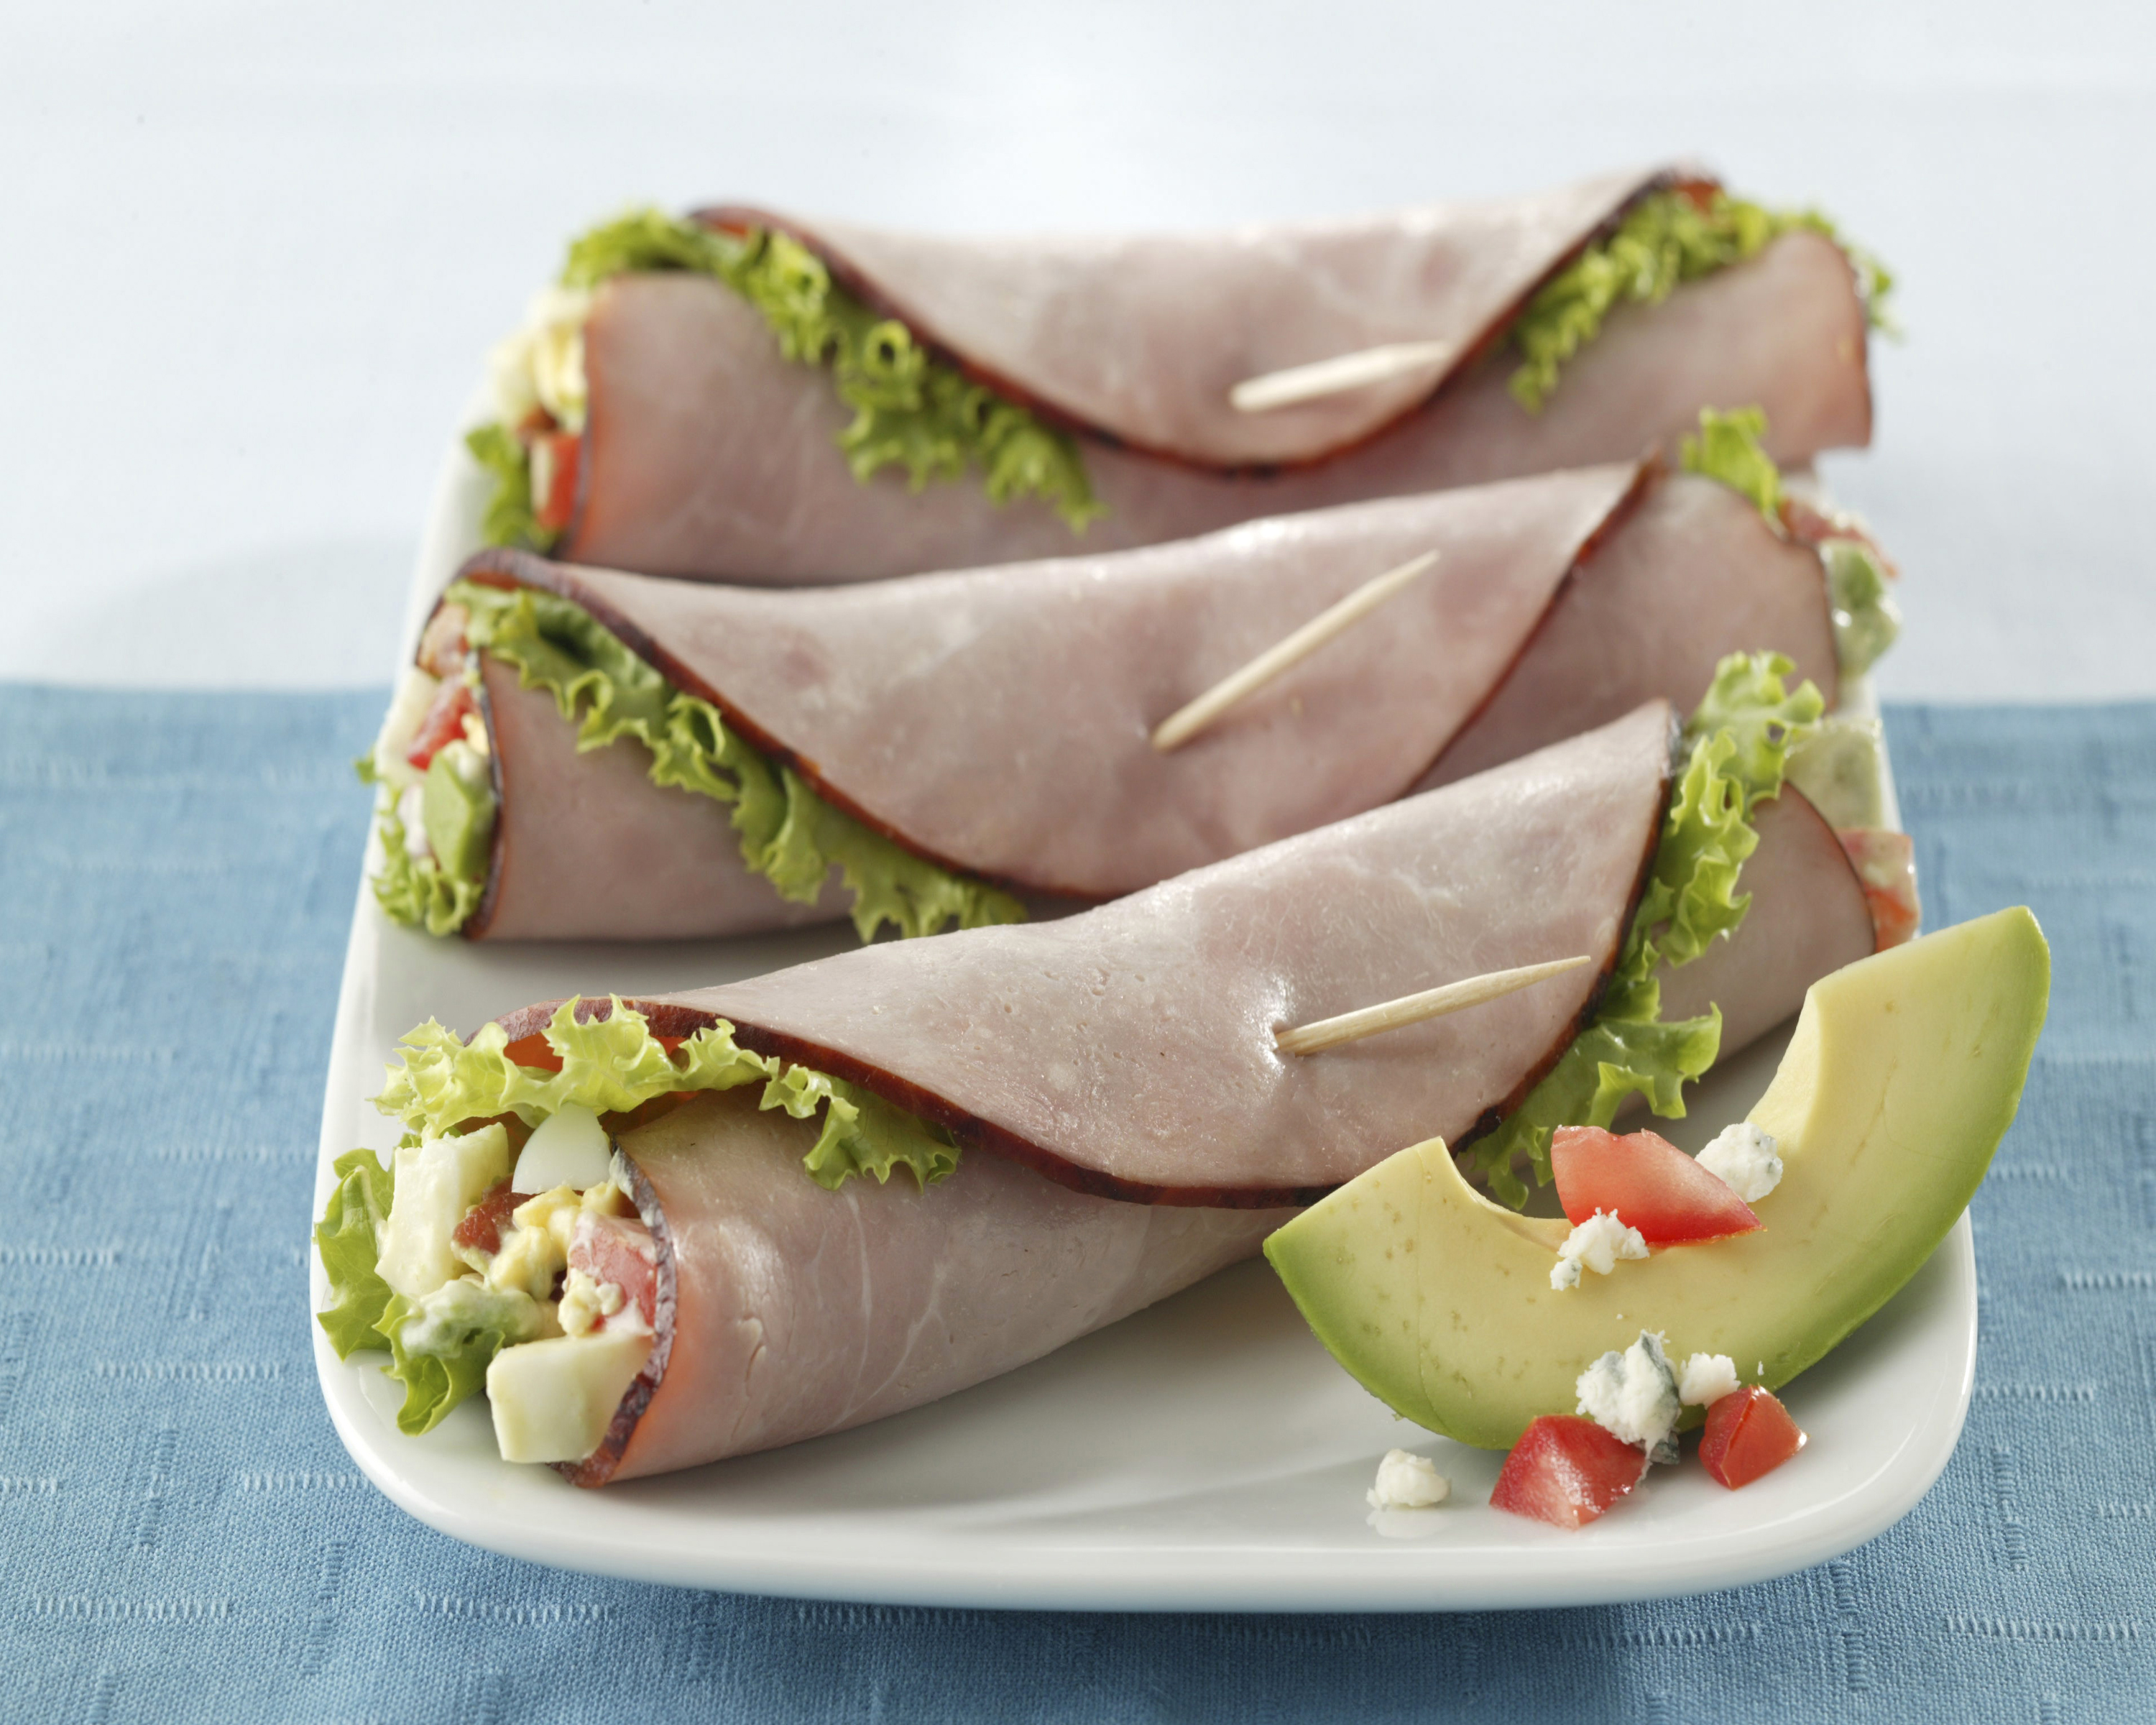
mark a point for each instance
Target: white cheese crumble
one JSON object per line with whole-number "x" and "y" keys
{"x": 1745, "y": 1156}
{"x": 1407, "y": 1481}
{"x": 1706, "y": 1378}
{"x": 1596, "y": 1244}
{"x": 1633, "y": 1396}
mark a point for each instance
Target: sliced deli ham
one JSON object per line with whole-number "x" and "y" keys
{"x": 1141, "y": 336}
{"x": 708, "y": 454}
{"x": 1126, "y": 1053}
{"x": 787, "y": 1310}
{"x": 998, "y": 722}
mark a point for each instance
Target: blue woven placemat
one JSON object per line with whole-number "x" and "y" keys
{"x": 181, "y": 1536}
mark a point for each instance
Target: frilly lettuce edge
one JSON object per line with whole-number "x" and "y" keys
{"x": 911, "y": 410}
{"x": 1667, "y": 238}
{"x": 788, "y": 835}
{"x": 1739, "y": 741}
{"x": 616, "y": 1064}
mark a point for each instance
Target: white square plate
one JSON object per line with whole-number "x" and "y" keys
{"x": 1206, "y": 1454}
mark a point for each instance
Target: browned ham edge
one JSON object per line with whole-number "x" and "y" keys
{"x": 973, "y": 1132}
{"x": 510, "y": 569}
{"x": 598, "y": 1467}
{"x": 741, "y": 218}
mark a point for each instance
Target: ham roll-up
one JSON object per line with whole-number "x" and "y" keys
{"x": 660, "y": 1232}
{"x": 751, "y": 396}
{"x": 585, "y": 753}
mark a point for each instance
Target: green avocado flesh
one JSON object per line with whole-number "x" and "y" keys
{"x": 1903, "y": 1075}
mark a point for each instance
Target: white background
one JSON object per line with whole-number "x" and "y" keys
{"x": 253, "y": 253}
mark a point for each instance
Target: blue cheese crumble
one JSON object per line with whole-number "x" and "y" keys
{"x": 1596, "y": 1244}
{"x": 1747, "y": 1158}
{"x": 1633, "y": 1396}
{"x": 1407, "y": 1481}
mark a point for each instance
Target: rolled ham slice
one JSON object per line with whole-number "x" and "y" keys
{"x": 786, "y": 1310}
{"x": 999, "y": 721}
{"x": 707, "y": 454}
{"x": 1127, "y": 1053}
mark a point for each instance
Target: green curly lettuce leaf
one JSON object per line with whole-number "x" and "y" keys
{"x": 613, "y": 1065}
{"x": 349, "y": 1238}
{"x": 1739, "y": 742}
{"x": 416, "y": 891}
{"x": 510, "y": 518}
{"x": 911, "y": 410}
{"x": 1728, "y": 447}
{"x": 1667, "y": 238}
{"x": 440, "y": 1345}
{"x": 788, "y": 835}
{"x": 863, "y": 1134}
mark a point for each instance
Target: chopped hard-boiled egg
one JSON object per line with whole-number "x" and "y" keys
{"x": 553, "y": 1400}
{"x": 542, "y": 364}
{"x": 567, "y": 1148}
{"x": 437, "y": 1181}
{"x": 535, "y": 1249}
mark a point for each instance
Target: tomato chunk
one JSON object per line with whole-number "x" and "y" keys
{"x": 1647, "y": 1182}
{"x": 1748, "y": 1433}
{"x": 1886, "y": 862}
{"x": 536, "y": 1052}
{"x": 621, "y": 1250}
{"x": 1566, "y": 1470}
{"x": 444, "y": 722}
{"x": 555, "y": 458}
{"x": 483, "y": 1223}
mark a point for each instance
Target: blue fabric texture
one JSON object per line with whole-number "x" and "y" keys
{"x": 184, "y": 1539}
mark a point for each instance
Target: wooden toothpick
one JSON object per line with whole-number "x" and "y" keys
{"x": 1414, "y": 1008}
{"x": 1187, "y": 722}
{"x": 1336, "y": 376}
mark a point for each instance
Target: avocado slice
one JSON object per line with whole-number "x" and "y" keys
{"x": 1903, "y": 1075}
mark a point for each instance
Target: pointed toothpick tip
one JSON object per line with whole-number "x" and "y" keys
{"x": 1414, "y": 1008}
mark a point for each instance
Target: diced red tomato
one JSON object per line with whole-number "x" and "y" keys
{"x": 556, "y": 456}
{"x": 1647, "y": 1182}
{"x": 1813, "y": 526}
{"x": 536, "y": 1052}
{"x": 1747, "y": 1434}
{"x": 1886, "y": 862}
{"x": 442, "y": 644}
{"x": 619, "y": 1250}
{"x": 1566, "y": 1470}
{"x": 483, "y": 1223}
{"x": 444, "y": 724}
